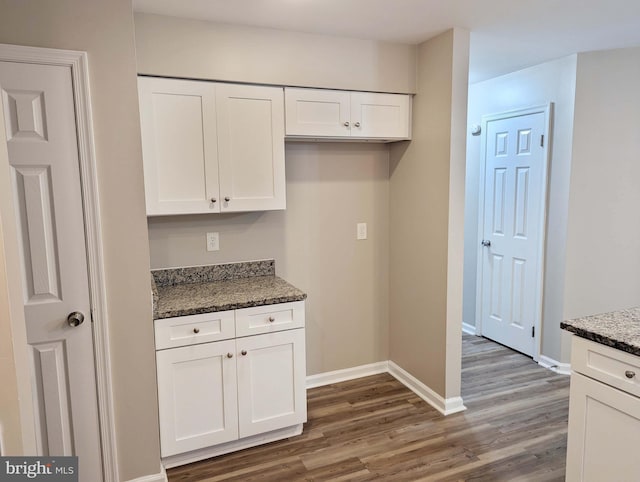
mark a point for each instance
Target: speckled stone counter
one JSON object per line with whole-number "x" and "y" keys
{"x": 205, "y": 289}
{"x": 618, "y": 329}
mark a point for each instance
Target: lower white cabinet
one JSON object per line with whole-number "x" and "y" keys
{"x": 218, "y": 392}
{"x": 604, "y": 422}
{"x": 197, "y": 396}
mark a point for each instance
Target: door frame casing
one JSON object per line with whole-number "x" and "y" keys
{"x": 77, "y": 62}
{"x": 547, "y": 110}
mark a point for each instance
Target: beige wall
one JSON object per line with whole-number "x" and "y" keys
{"x": 603, "y": 237}
{"x": 426, "y": 179}
{"x": 330, "y": 188}
{"x": 191, "y": 48}
{"x": 555, "y": 82}
{"x": 105, "y": 31}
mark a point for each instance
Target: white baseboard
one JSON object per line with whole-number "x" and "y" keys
{"x": 468, "y": 329}
{"x": 159, "y": 477}
{"x": 444, "y": 406}
{"x": 553, "y": 365}
{"x": 327, "y": 378}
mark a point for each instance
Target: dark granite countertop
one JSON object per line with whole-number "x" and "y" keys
{"x": 205, "y": 289}
{"x": 617, "y": 329}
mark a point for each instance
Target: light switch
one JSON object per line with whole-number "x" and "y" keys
{"x": 213, "y": 242}
{"x": 361, "y": 231}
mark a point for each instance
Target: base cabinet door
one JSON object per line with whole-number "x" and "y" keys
{"x": 271, "y": 381}
{"x": 197, "y": 396}
{"x": 596, "y": 412}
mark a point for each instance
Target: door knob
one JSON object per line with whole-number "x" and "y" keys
{"x": 74, "y": 319}
{"x": 346, "y": 124}
{"x": 227, "y": 198}
{"x": 213, "y": 200}
{"x": 357, "y": 124}
{"x": 486, "y": 243}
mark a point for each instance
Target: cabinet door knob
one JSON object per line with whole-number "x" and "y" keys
{"x": 346, "y": 124}
{"x": 243, "y": 352}
{"x": 357, "y": 124}
{"x": 271, "y": 319}
{"x": 629, "y": 374}
{"x": 227, "y": 198}
{"x": 229, "y": 355}
{"x": 213, "y": 200}
{"x": 196, "y": 330}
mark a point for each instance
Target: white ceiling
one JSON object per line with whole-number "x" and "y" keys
{"x": 506, "y": 35}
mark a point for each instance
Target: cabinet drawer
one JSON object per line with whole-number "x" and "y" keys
{"x": 606, "y": 364}
{"x": 269, "y": 318}
{"x": 193, "y": 329}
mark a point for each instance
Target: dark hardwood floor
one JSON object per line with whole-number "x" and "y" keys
{"x": 373, "y": 428}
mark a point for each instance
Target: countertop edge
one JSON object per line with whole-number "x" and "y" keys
{"x": 230, "y": 306}
{"x": 599, "y": 338}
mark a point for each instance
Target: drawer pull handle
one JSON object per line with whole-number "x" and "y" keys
{"x": 196, "y": 330}
{"x": 629, "y": 374}
{"x": 271, "y": 319}
{"x": 243, "y": 352}
{"x": 229, "y": 355}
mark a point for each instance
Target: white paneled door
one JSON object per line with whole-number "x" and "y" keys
{"x": 39, "y": 113}
{"x": 513, "y": 229}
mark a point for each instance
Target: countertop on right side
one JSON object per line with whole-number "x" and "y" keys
{"x": 617, "y": 329}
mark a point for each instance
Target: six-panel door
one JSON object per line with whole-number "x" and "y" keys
{"x": 197, "y": 396}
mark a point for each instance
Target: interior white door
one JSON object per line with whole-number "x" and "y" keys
{"x": 514, "y": 201}
{"x": 38, "y": 108}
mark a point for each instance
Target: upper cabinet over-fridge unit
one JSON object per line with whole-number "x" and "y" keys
{"x": 211, "y": 147}
{"x": 343, "y": 115}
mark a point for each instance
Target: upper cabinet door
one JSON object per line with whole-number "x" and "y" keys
{"x": 251, "y": 147}
{"x": 380, "y": 115}
{"x": 180, "y": 154}
{"x": 315, "y": 112}
{"x": 337, "y": 114}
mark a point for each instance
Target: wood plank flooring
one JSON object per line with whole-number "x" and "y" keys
{"x": 373, "y": 428}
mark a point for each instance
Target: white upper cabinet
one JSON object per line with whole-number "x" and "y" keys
{"x": 316, "y": 113}
{"x": 251, "y": 147}
{"x": 211, "y": 147}
{"x": 179, "y": 144}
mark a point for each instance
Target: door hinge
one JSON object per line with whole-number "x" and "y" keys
{"x": 533, "y": 332}
{"x": 542, "y": 140}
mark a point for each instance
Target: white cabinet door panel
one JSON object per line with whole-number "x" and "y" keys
{"x": 315, "y": 112}
{"x": 251, "y": 147}
{"x": 178, "y": 125}
{"x": 604, "y": 432}
{"x": 197, "y": 396}
{"x": 379, "y": 115}
{"x": 271, "y": 378}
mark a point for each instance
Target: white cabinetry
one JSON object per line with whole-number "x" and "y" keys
{"x": 316, "y": 113}
{"x": 221, "y": 395}
{"x": 211, "y": 147}
{"x": 604, "y": 414}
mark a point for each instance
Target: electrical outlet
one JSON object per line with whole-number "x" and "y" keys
{"x": 213, "y": 242}
{"x": 361, "y": 231}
